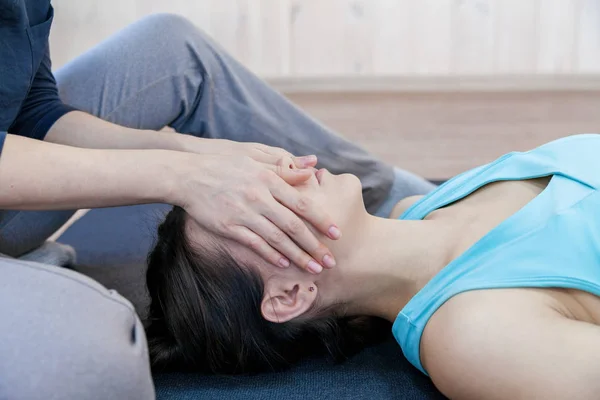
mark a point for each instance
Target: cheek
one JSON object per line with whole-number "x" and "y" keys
{"x": 346, "y": 202}
{"x": 354, "y": 192}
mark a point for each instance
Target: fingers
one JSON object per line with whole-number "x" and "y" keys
{"x": 304, "y": 206}
{"x": 284, "y": 168}
{"x": 272, "y": 155}
{"x": 260, "y": 246}
{"x": 305, "y": 161}
{"x": 287, "y": 171}
{"x": 298, "y": 203}
{"x": 294, "y": 240}
{"x": 275, "y": 229}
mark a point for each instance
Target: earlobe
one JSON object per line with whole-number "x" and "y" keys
{"x": 282, "y": 305}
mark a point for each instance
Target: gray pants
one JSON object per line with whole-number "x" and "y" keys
{"x": 65, "y": 336}
{"x": 71, "y": 338}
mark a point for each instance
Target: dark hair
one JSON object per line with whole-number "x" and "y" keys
{"x": 205, "y": 314}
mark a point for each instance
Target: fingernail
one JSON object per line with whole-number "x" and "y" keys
{"x": 284, "y": 262}
{"x": 314, "y": 267}
{"x": 308, "y": 159}
{"x": 334, "y": 232}
{"x": 329, "y": 261}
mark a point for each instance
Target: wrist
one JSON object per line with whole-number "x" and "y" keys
{"x": 189, "y": 143}
{"x": 165, "y": 171}
{"x": 173, "y": 171}
{"x": 163, "y": 140}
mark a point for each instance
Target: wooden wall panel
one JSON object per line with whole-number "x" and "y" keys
{"x": 473, "y": 37}
{"x": 235, "y": 24}
{"x": 394, "y": 50}
{"x": 557, "y": 40}
{"x": 432, "y": 36}
{"x": 365, "y": 37}
{"x": 516, "y": 40}
{"x": 360, "y": 22}
{"x": 274, "y": 42}
{"x": 79, "y": 25}
{"x": 588, "y": 39}
{"x": 331, "y": 37}
{"x": 199, "y": 12}
{"x": 316, "y": 47}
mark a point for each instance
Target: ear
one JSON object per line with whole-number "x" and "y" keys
{"x": 285, "y": 300}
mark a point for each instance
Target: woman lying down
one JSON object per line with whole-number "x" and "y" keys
{"x": 492, "y": 282}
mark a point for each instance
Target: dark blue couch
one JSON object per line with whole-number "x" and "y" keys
{"x": 112, "y": 245}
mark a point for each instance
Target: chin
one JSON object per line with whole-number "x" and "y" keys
{"x": 351, "y": 182}
{"x": 352, "y": 189}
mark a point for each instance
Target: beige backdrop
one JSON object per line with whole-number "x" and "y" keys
{"x": 366, "y": 37}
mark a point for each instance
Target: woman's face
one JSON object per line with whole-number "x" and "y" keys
{"x": 339, "y": 195}
{"x": 290, "y": 292}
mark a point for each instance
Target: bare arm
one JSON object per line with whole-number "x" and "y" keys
{"x": 80, "y": 129}
{"x": 83, "y": 130}
{"x": 35, "y": 175}
{"x": 226, "y": 173}
{"x": 213, "y": 188}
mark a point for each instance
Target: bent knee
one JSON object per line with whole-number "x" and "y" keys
{"x": 104, "y": 360}
{"x": 170, "y": 27}
{"x": 176, "y": 43}
{"x": 69, "y": 338}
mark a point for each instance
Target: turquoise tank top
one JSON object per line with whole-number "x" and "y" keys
{"x": 553, "y": 241}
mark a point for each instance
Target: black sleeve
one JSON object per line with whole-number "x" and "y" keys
{"x": 42, "y": 107}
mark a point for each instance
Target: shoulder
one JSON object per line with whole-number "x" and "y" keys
{"x": 501, "y": 343}
{"x": 454, "y": 343}
{"x": 403, "y": 205}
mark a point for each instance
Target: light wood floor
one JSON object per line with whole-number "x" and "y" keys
{"x": 439, "y": 135}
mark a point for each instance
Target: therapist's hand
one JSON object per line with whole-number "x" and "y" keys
{"x": 237, "y": 190}
{"x": 259, "y": 152}
{"x": 246, "y": 194}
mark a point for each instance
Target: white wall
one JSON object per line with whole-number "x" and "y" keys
{"x": 301, "y": 38}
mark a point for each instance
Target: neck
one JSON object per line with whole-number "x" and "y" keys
{"x": 384, "y": 263}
